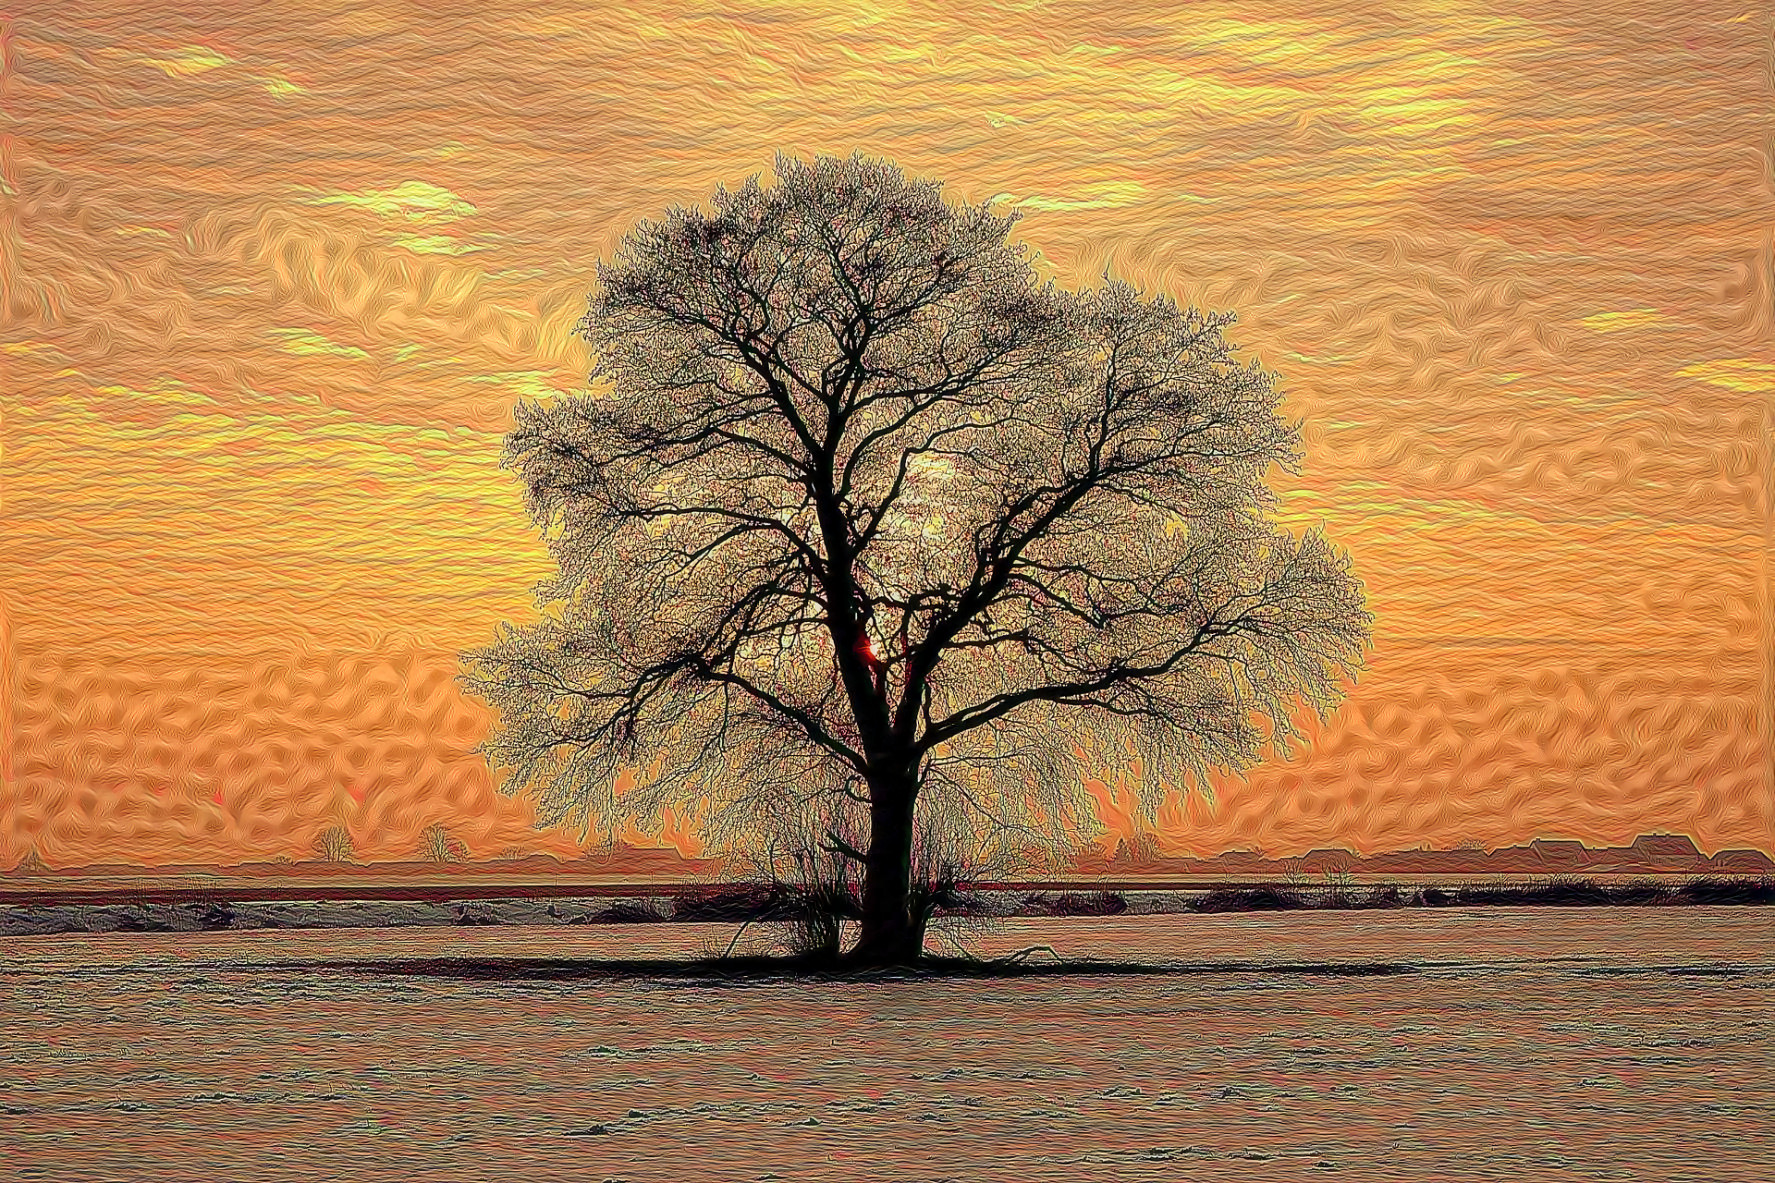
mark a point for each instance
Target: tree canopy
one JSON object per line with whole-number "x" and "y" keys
{"x": 861, "y": 519}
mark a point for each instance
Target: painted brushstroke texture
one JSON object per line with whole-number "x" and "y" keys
{"x": 272, "y": 282}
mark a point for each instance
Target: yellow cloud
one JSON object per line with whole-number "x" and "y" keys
{"x": 1210, "y": 94}
{"x": 161, "y": 390}
{"x": 192, "y": 60}
{"x": 279, "y": 87}
{"x": 529, "y": 383}
{"x": 303, "y": 343}
{"x": 1734, "y": 373}
{"x": 435, "y": 244}
{"x": 1632, "y": 318}
{"x": 1405, "y": 111}
{"x": 1269, "y": 43}
{"x": 1103, "y": 195}
{"x": 416, "y": 201}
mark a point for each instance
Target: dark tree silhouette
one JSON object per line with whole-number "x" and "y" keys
{"x": 861, "y": 521}
{"x": 437, "y": 845}
{"x": 808, "y": 851}
{"x": 333, "y": 845}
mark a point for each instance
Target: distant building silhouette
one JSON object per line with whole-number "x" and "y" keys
{"x": 1679, "y": 847}
{"x": 1328, "y": 861}
{"x": 1647, "y": 854}
{"x": 1741, "y": 862}
{"x": 1560, "y": 854}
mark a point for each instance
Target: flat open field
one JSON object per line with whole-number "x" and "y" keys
{"x": 1552, "y": 1045}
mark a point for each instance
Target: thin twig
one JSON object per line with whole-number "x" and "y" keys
{"x": 963, "y": 949}
{"x": 1023, "y": 955}
{"x": 736, "y": 939}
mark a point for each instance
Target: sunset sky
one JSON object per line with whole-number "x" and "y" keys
{"x": 272, "y": 284}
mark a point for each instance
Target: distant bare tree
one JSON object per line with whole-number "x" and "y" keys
{"x": 860, "y": 513}
{"x": 333, "y": 845}
{"x": 436, "y": 845}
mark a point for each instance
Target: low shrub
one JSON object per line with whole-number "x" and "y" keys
{"x": 1712, "y": 890}
{"x": 142, "y": 918}
{"x": 1558, "y": 892}
{"x": 628, "y": 912}
{"x": 1387, "y": 895}
{"x": 1264, "y": 898}
{"x": 475, "y": 914}
{"x": 1641, "y": 891}
{"x": 748, "y": 901}
{"x": 1092, "y": 903}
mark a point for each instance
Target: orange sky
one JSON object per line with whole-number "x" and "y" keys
{"x": 273, "y": 282}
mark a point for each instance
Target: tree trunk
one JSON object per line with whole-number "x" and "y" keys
{"x": 891, "y": 934}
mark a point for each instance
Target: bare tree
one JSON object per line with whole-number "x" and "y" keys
{"x": 858, "y": 511}
{"x": 333, "y": 845}
{"x": 438, "y": 845}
